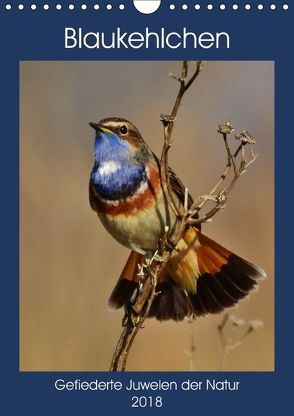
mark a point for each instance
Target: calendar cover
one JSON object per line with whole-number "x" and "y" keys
{"x": 146, "y": 206}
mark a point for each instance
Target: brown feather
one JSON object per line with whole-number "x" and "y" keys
{"x": 203, "y": 278}
{"x": 127, "y": 283}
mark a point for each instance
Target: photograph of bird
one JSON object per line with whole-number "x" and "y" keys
{"x": 201, "y": 276}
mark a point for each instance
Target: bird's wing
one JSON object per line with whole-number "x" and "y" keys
{"x": 175, "y": 183}
{"x": 178, "y": 187}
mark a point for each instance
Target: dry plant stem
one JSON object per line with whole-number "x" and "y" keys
{"x": 221, "y": 329}
{"x": 222, "y": 196}
{"x": 229, "y": 342}
{"x": 136, "y": 315}
{"x": 168, "y": 123}
{"x": 190, "y": 216}
{"x": 198, "y": 206}
{"x": 133, "y": 321}
{"x": 184, "y": 86}
{"x": 192, "y": 345}
{"x": 129, "y": 332}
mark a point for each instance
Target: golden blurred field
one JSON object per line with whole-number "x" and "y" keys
{"x": 69, "y": 264}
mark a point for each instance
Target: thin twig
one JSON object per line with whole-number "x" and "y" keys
{"x": 132, "y": 324}
{"x": 136, "y": 313}
{"x": 226, "y": 330}
{"x": 221, "y": 197}
{"x": 192, "y": 345}
{"x": 168, "y": 124}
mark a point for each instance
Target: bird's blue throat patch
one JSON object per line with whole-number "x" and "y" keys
{"x": 116, "y": 173}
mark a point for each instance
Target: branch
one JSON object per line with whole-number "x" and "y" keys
{"x": 220, "y": 198}
{"x": 168, "y": 124}
{"x": 191, "y": 353}
{"x": 137, "y": 311}
{"x": 227, "y": 333}
{"x": 132, "y": 323}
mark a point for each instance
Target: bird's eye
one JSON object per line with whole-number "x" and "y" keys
{"x": 123, "y": 129}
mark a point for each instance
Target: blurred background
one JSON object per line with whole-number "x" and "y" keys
{"x": 69, "y": 263}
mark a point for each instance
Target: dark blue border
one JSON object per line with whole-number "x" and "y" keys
{"x": 38, "y": 35}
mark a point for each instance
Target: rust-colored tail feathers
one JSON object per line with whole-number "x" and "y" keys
{"x": 200, "y": 277}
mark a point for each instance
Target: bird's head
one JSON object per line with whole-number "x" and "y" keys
{"x": 120, "y": 158}
{"x": 116, "y": 138}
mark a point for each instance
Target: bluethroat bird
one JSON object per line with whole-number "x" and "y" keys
{"x": 125, "y": 191}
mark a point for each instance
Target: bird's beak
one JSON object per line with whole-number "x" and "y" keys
{"x": 99, "y": 128}
{"x": 95, "y": 126}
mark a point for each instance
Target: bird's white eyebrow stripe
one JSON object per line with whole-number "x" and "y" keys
{"x": 108, "y": 167}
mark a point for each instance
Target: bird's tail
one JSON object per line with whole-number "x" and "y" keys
{"x": 200, "y": 277}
